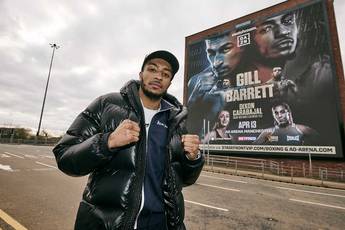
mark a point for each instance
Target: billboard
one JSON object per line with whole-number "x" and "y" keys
{"x": 267, "y": 83}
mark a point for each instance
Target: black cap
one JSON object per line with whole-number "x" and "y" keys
{"x": 165, "y": 55}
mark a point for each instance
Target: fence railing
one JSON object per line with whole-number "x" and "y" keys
{"x": 44, "y": 141}
{"x": 264, "y": 166}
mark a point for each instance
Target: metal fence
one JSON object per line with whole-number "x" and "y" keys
{"x": 262, "y": 166}
{"x": 41, "y": 141}
{"x": 274, "y": 168}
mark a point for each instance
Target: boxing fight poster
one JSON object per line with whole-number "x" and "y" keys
{"x": 266, "y": 86}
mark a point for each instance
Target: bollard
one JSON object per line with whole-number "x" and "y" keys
{"x": 321, "y": 176}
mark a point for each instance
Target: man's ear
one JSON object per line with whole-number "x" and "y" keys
{"x": 141, "y": 75}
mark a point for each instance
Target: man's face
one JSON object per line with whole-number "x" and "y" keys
{"x": 224, "y": 118}
{"x": 277, "y": 37}
{"x": 277, "y": 72}
{"x": 223, "y": 54}
{"x": 281, "y": 115}
{"x": 226, "y": 83}
{"x": 155, "y": 78}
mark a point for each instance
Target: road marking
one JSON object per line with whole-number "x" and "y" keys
{"x": 14, "y": 155}
{"x": 213, "y": 186}
{"x": 42, "y": 169}
{"x": 47, "y": 156}
{"x": 11, "y": 221}
{"x": 51, "y": 166}
{"x": 6, "y": 168}
{"x": 30, "y": 156}
{"x": 221, "y": 178}
{"x": 320, "y": 204}
{"x": 4, "y": 155}
{"x": 206, "y": 205}
{"x": 306, "y": 191}
{"x": 302, "y": 185}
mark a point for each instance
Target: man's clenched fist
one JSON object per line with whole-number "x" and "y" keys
{"x": 127, "y": 132}
{"x": 191, "y": 145}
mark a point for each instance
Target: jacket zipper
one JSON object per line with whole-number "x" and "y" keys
{"x": 137, "y": 187}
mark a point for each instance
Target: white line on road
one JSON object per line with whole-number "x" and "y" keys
{"x": 11, "y": 221}
{"x": 221, "y": 178}
{"x": 213, "y": 186}
{"x": 41, "y": 169}
{"x": 30, "y": 156}
{"x": 6, "y": 168}
{"x": 50, "y": 157}
{"x": 47, "y": 156}
{"x": 4, "y": 155}
{"x": 325, "y": 205}
{"x": 51, "y": 166}
{"x": 14, "y": 155}
{"x": 205, "y": 205}
{"x": 319, "y": 193}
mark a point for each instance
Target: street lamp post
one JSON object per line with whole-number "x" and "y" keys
{"x": 54, "y": 46}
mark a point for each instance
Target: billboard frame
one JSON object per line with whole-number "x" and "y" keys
{"x": 275, "y": 10}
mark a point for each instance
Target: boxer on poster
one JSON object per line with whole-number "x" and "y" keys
{"x": 285, "y": 131}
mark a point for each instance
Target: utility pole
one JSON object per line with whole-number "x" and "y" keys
{"x": 54, "y": 46}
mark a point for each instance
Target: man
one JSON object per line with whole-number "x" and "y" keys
{"x": 282, "y": 88}
{"x": 226, "y": 84}
{"x": 135, "y": 147}
{"x": 275, "y": 42}
{"x": 285, "y": 131}
{"x": 224, "y": 57}
{"x": 317, "y": 79}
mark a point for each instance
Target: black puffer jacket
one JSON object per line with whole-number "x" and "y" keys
{"x": 111, "y": 199}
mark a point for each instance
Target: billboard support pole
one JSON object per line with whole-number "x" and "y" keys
{"x": 310, "y": 166}
{"x": 208, "y": 144}
{"x": 204, "y": 133}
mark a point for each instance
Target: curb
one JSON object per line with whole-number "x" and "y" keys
{"x": 286, "y": 179}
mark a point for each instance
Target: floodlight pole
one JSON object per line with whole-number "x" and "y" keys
{"x": 54, "y": 46}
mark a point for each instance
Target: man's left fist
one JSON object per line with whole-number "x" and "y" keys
{"x": 191, "y": 145}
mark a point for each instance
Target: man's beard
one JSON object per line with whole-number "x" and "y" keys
{"x": 283, "y": 124}
{"x": 149, "y": 94}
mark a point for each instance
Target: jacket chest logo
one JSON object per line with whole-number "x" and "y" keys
{"x": 162, "y": 124}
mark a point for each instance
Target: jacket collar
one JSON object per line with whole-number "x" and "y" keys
{"x": 178, "y": 113}
{"x": 131, "y": 91}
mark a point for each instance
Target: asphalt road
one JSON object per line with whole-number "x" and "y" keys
{"x": 35, "y": 195}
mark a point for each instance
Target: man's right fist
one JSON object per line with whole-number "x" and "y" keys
{"x": 127, "y": 132}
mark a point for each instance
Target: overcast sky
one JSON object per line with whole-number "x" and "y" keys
{"x": 103, "y": 44}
